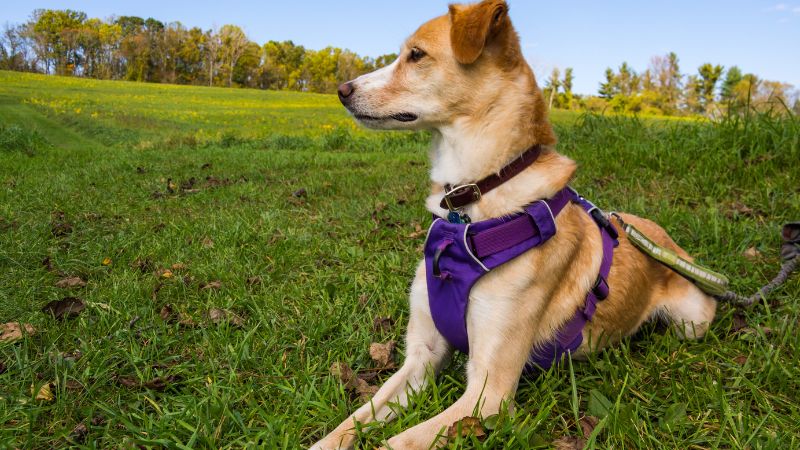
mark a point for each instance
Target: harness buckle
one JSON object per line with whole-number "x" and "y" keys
{"x": 600, "y": 288}
{"x": 460, "y": 191}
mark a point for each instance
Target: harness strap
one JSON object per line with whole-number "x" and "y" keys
{"x": 537, "y": 221}
{"x": 570, "y": 336}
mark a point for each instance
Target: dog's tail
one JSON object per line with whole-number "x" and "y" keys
{"x": 790, "y": 254}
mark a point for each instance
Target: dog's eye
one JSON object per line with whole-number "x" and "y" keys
{"x": 416, "y": 54}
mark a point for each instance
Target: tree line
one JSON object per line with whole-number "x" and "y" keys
{"x": 663, "y": 90}
{"x": 67, "y": 42}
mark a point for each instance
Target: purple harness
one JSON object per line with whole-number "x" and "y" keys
{"x": 457, "y": 255}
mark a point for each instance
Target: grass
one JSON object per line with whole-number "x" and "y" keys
{"x": 310, "y": 273}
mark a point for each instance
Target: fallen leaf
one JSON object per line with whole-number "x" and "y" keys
{"x": 254, "y": 280}
{"x": 73, "y": 385}
{"x": 167, "y": 313}
{"x": 59, "y": 225}
{"x": 569, "y": 443}
{"x": 79, "y": 433}
{"x": 382, "y": 353}
{"x": 740, "y": 360}
{"x": 468, "y": 426}
{"x": 66, "y": 308}
{"x": 353, "y": 383}
{"x": 127, "y": 381}
{"x": 13, "y": 331}
{"x": 70, "y": 282}
{"x": 300, "y": 193}
{"x": 107, "y": 261}
{"x": 161, "y": 383}
{"x": 588, "y": 424}
{"x": 363, "y": 299}
{"x": 752, "y": 253}
{"x": 418, "y": 232}
{"x": 45, "y": 392}
{"x": 178, "y": 266}
{"x": 382, "y": 324}
{"x": 142, "y": 265}
{"x": 739, "y": 322}
{"x": 217, "y": 316}
{"x": 208, "y": 242}
{"x": 164, "y": 273}
{"x": 211, "y": 285}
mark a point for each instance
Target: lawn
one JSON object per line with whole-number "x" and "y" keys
{"x": 232, "y": 245}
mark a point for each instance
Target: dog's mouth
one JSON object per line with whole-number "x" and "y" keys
{"x": 400, "y": 117}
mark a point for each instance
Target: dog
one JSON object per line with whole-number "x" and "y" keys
{"x": 463, "y": 77}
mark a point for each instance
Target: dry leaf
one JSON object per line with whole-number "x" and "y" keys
{"x": 569, "y": 443}
{"x": 353, "y": 383}
{"x": 218, "y": 316}
{"x": 161, "y": 383}
{"x": 363, "y": 299}
{"x": 13, "y": 331}
{"x": 739, "y": 322}
{"x": 468, "y": 426}
{"x": 208, "y": 242}
{"x": 127, "y": 381}
{"x": 211, "y": 285}
{"x": 70, "y": 282}
{"x": 254, "y": 280}
{"x": 752, "y": 253}
{"x": 107, "y": 261}
{"x": 66, "y": 308}
{"x": 300, "y": 193}
{"x": 588, "y": 424}
{"x": 45, "y": 392}
{"x": 73, "y": 385}
{"x": 382, "y": 324}
{"x": 79, "y": 433}
{"x": 164, "y": 273}
{"x": 418, "y": 232}
{"x": 167, "y": 313}
{"x": 179, "y": 266}
{"x": 382, "y": 353}
{"x": 740, "y": 360}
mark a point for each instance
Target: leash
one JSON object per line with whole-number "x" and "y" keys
{"x": 713, "y": 283}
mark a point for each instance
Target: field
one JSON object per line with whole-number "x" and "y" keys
{"x": 235, "y": 244}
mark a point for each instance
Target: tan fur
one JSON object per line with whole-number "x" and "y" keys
{"x": 480, "y": 99}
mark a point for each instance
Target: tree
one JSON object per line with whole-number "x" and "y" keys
{"x": 706, "y": 85}
{"x": 552, "y": 85}
{"x": 732, "y": 78}
{"x": 211, "y": 52}
{"x": 233, "y": 42}
{"x": 610, "y": 87}
{"x": 57, "y": 33}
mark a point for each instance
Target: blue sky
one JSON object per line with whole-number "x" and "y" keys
{"x": 762, "y": 37}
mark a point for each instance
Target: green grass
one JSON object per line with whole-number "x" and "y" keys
{"x": 331, "y": 262}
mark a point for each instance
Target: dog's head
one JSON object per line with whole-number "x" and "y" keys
{"x": 445, "y": 70}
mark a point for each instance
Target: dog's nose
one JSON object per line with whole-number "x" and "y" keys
{"x": 346, "y": 90}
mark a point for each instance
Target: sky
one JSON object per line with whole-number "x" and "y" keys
{"x": 761, "y": 37}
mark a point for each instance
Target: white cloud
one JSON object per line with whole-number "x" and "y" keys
{"x": 796, "y": 10}
{"x": 779, "y": 7}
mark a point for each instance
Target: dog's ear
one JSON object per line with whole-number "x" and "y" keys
{"x": 473, "y": 26}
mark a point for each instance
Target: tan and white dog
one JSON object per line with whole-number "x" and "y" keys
{"x": 463, "y": 76}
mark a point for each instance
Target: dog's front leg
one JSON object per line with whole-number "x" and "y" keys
{"x": 500, "y": 339}
{"x": 426, "y": 353}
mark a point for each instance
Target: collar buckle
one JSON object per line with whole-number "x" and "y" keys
{"x": 463, "y": 195}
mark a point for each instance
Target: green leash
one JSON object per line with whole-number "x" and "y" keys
{"x": 713, "y": 283}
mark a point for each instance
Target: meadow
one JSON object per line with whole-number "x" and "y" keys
{"x": 217, "y": 251}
